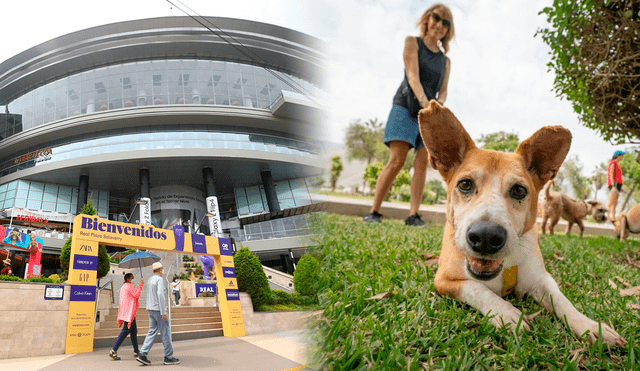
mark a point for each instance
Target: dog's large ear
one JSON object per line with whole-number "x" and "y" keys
{"x": 544, "y": 152}
{"x": 445, "y": 138}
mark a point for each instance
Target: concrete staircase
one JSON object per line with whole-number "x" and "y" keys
{"x": 186, "y": 323}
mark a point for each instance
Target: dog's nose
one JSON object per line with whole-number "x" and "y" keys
{"x": 486, "y": 237}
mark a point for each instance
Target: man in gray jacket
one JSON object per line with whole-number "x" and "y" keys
{"x": 156, "y": 300}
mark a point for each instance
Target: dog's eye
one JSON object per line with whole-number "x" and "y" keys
{"x": 466, "y": 186}
{"x": 518, "y": 192}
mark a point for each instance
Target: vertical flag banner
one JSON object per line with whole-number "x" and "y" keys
{"x": 83, "y": 270}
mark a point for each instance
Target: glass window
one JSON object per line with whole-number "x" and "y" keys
{"x": 34, "y": 204}
{"x": 35, "y": 195}
{"x": 50, "y": 197}
{"x": 20, "y": 202}
{"x": 49, "y": 206}
{"x": 22, "y": 185}
{"x": 63, "y": 208}
{"x": 37, "y": 186}
{"x": 64, "y": 190}
{"x": 22, "y": 193}
{"x": 51, "y": 188}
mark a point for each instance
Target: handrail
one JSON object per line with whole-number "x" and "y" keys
{"x": 169, "y": 302}
{"x": 95, "y": 314}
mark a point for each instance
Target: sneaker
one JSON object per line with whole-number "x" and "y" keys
{"x": 374, "y": 217}
{"x": 414, "y": 220}
{"x": 143, "y": 359}
{"x": 171, "y": 361}
{"x": 114, "y": 355}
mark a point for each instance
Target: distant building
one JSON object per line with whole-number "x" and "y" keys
{"x": 164, "y": 109}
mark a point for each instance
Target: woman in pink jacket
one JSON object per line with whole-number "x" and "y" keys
{"x": 127, "y": 310}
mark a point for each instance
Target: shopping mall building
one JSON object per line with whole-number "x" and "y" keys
{"x": 169, "y": 111}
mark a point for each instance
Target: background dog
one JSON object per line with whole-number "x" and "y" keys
{"x": 490, "y": 243}
{"x": 557, "y": 204}
{"x": 628, "y": 222}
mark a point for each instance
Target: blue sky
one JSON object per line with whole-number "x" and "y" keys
{"x": 499, "y": 78}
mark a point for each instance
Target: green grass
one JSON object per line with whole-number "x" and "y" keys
{"x": 416, "y": 329}
{"x": 286, "y": 307}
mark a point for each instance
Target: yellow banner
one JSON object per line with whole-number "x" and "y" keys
{"x": 80, "y": 327}
{"x": 90, "y": 231}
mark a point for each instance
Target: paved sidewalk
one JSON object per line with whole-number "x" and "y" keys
{"x": 282, "y": 351}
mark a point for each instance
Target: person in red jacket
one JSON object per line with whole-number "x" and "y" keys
{"x": 614, "y": 182}
{"x": 127, "y": 309}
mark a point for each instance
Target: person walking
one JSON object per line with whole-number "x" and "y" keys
{"x": 426, "y": 78}
{"x": 614, "y": 183}
{"x": 158, "y": 320}
{"x": 175, "y": 286}
{"x": 127, "y": 309}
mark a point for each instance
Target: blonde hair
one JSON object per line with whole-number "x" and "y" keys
{"x": 423, "y": 24}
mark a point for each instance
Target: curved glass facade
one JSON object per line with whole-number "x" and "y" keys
{"x": 158, "y": 137}
{"x": 145, "y": 83}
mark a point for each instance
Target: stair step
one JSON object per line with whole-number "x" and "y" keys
{"x": 144, "y": 322}
{"x": 175, "y": 329}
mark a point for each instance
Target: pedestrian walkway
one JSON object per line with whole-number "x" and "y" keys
{"x": 282, "y": 351}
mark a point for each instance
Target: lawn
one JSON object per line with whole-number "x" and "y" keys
{"x": 381, "y": 310}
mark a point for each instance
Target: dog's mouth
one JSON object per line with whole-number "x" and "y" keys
{"x": 483, "y": 269}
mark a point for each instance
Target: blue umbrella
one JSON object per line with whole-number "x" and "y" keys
{"x": 138, "y": 259}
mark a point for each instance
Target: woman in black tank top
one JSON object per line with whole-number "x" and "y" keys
{"x": 426, "y": 76}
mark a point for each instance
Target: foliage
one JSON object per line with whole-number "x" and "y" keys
{"x": 30, "y": 279}
{"x": 104, "y": 259}
{"x": 55, "y": 278}
{"x": 571, "y": 172}
{"x": 305, "y": 278}
{"x": 414, "y": 328}
{"x": 594, "y": 53}
{"x": 372, "y": 171}
{"x": 362, "y": 139}
{"x": 251, "y": 277}
{"x": 630, "y": 176}
{"x": 335, "y": 170}
{"x": 500, "y": 141}
{"x": 206, "y": 294}
{"x": 599, "y": 178}
{"x": 434, "y": 191}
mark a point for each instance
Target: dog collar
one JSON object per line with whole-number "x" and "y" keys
{"x": 509, "y": 280}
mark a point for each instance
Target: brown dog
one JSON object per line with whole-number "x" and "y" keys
{"x": 490, "y": 243}
{"x": 558, "y": 205}
{"x": 628, "y": 222}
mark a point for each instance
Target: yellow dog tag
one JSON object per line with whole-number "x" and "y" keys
{"x": 509, "y": 280}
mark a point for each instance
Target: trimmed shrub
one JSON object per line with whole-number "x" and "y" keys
{"x": 251, "y": 277}
{"x": 280, "y": 297}
{"x": 307, "y": 275}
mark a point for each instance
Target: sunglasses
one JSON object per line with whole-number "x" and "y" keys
{"x": 445, "y": 22}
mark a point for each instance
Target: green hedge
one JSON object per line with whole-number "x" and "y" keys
{"x": 307, "y": 275}
{"x": 251, "y": 277}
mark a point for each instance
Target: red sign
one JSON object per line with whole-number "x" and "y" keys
{"x": 41, "y": 154}
{"x": 29, "y": 218}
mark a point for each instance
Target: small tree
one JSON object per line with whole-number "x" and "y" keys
{"x": 571, "y": 171}
{"x": 104, "y": 263}
{"x": 307, "y": 275}
{"x": 500, "y": 141}
{"x": 251, "y": 277}
{"x": 362, "y": 139}
{"x": 336, "y": 169}
{"x": 599, "y": 178}
{"x": 630, "y": 175}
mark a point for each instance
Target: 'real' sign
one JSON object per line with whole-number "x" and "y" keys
{"x": 37, "y": 156}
